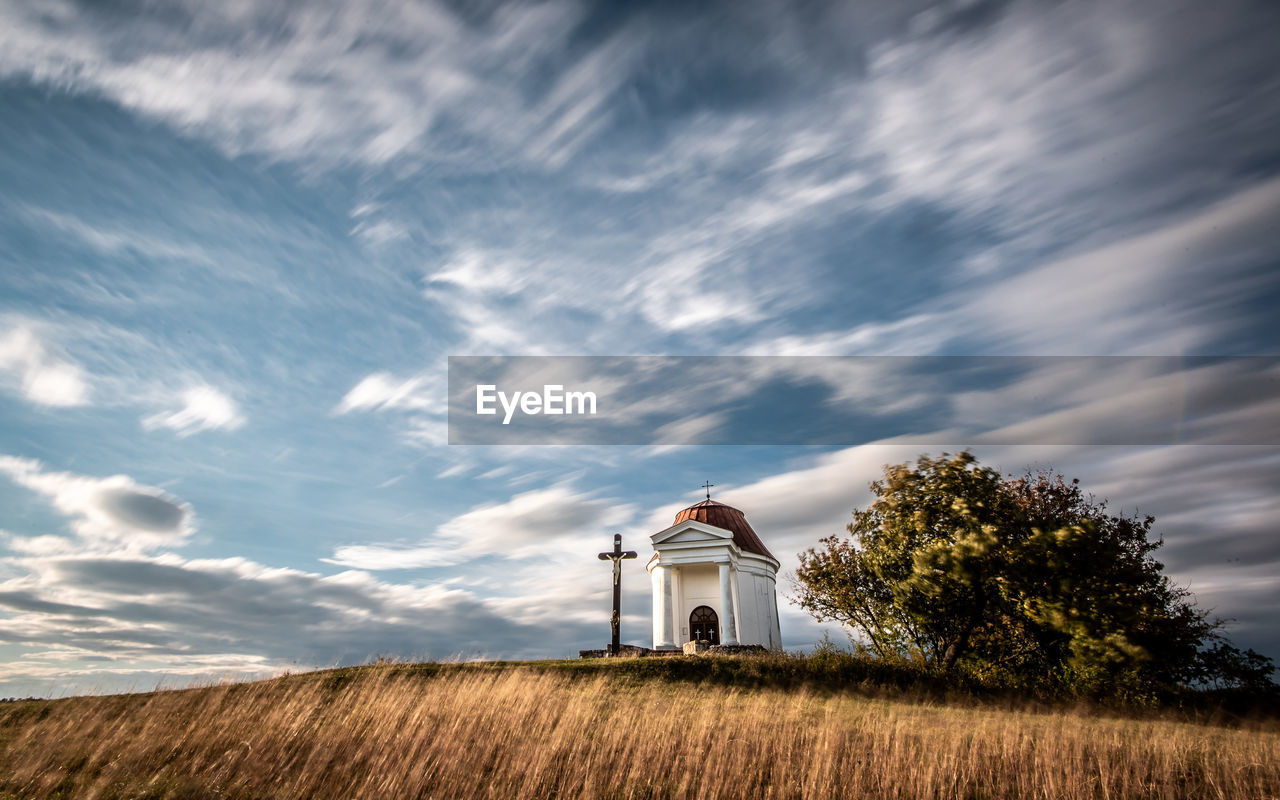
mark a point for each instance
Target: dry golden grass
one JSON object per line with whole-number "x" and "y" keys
{"x": 463, "y": 733}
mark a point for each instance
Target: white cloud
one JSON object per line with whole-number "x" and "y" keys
{"x": 98, "y": 611}
{"x": 382, "y": 391}
{"x": 1022, "y": 125}
{"x": 43, "y": 378}
{"x": 1125, "y": 401}
{"x": 111, "y": 513}
{"x": 699, "y": 271}
{"x": 999, "y": 124}
{"x": 380, "y": 233}
{"x": 375, "y": 231}
{"x": 384, "y": 557}
{"x": 513, "y": 297}
{"x": 1008, "y": 123}
{"x": 532, "y": 556}
{"x": 914, "y": 334}
{"x": 1005, "y": 121}
{"x": 114, "y": 241}
{"x": 1157, "y": 292}
{"x": 345, "y": 82}
{"x": 203, "y": 408}
{"x": 475, "y": 269}
{"x": 420, "y": 400}
{"x": 540, "y": 524}
{"x": 78, "y": 621}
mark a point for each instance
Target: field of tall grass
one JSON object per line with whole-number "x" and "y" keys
{"x": 471, "y": 732}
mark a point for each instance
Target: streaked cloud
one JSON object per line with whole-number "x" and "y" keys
{"x": 203, "y": 408}
{"x": 535, "y": 524}
{"x": 75, "y": 616}
{"x": 1132, "y": 296}
{"x": 280, "y": 220}
{"x": 114, "y": 241}
{"x": 105, "y": 513}
{"x": 383, "y": 391}
{"x": 42, "y": 377}
{"x": 110, "y": 608}
{"x": 336, "y": 81}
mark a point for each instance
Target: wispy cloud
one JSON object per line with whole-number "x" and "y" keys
{"x": 1159, "y": 291}
{"x": 106, "y": 513}
{"x": 42, "y": 377}
{"x": 203, "y": 408}
{"x": 113, "y": 241}
{"x": 213, "y": 616}
{"x": 108, "y": 604}
{"x": 418, "y": 403}
{"x": 341, "y": 82}
{"x": 381, "y": 391}
{"x": 310, "y": 206}
{"x": 537, "y": 524}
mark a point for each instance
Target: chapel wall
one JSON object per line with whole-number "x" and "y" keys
{"x": 699, "y": 586}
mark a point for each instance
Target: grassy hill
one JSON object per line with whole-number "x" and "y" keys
{"x": 680, "y": 727}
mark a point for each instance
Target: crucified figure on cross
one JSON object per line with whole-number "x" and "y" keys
{"x": 616, "y": 557}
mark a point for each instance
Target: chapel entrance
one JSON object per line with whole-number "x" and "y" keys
{"x": 704, "y": 625}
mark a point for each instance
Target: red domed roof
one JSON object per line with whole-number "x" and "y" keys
{"x": 728, "y": 518}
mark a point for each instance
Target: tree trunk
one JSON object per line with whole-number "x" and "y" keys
{"x": 957, "y": 646}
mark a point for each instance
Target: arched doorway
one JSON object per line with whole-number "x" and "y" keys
{"x": 704, "y": 625}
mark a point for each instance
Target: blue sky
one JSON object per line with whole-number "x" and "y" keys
{"x": 238, "y": 242}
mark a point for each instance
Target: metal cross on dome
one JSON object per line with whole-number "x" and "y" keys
{"x": 616, "y": 556}
{"x": 707, "y": 485}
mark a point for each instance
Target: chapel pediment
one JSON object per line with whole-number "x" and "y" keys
{"x": 691, "y": 532}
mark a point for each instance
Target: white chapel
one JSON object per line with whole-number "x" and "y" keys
{"x": 714, "y": 580}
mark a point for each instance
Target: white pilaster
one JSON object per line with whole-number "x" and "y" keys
{"x": 678, "y": 612}
{"x": 655, "y": 590}
{"x": 738, "y": 619}
{"x": 728, "y": 620}
{"x": 664, "y": 627}
{"x": 773, "y": 611}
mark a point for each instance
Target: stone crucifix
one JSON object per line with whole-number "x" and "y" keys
{"x": 616, "y": 557}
